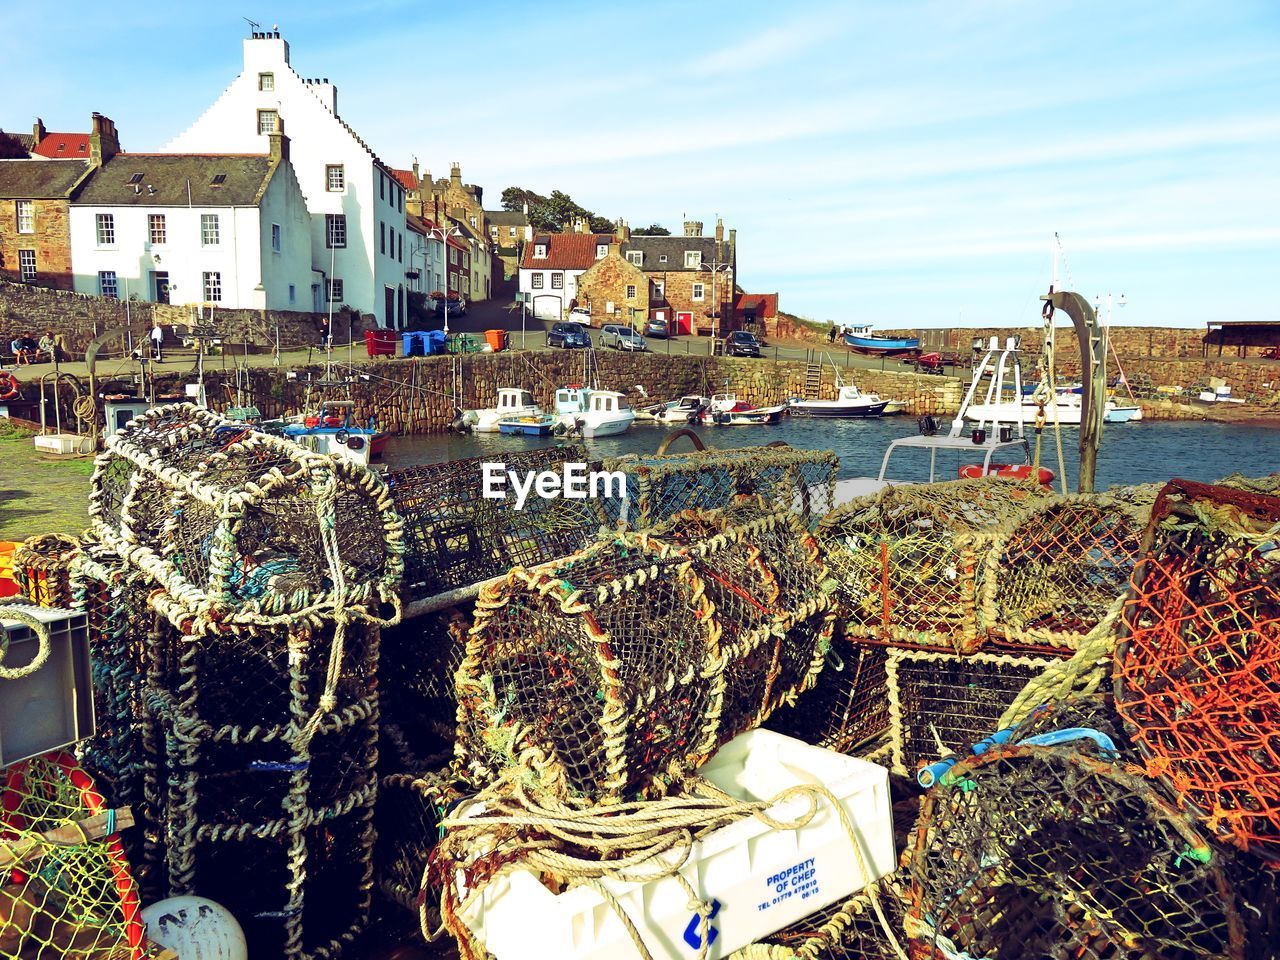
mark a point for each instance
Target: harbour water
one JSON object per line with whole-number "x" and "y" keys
{"x": 1131, "y": 453}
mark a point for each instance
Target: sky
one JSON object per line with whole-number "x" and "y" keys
{"x": 891, "y": 163}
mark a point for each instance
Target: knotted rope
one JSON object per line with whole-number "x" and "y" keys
{"x": 41, "y": 631}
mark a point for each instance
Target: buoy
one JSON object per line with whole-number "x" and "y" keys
{"x": 1022, "y": 471}
{"x": 10, "y": 389}
{"x": 195, "y": 929}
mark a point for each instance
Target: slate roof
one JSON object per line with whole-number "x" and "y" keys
{"x": 673, "y": 248}
{"x": 24, "y": 140}
{"x": 565, "y": 251}
{"x": 64, "y": 146}
{"x": 506, "y": 218}
{"x": 39, "y": 179}
{"x": 164, "y": 180}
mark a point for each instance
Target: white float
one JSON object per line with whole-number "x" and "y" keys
{"x": 758, "y": 880}
{"x": 195, "y": 929}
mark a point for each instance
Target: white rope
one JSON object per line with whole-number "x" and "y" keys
{"x": 43, "y": 640}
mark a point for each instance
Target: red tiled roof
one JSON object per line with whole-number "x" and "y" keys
{"x": 762, "y": 304}
{"x": 565, "y": 251}
{"x": 64, "y": 146}
{"x": 405, "y": 177}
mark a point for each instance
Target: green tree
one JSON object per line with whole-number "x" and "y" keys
{"x": 652, "y": 230}
{"x": 600, "y": 224}
{"x": 10, "y": 148}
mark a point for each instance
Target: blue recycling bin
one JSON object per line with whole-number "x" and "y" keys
{"x": 410, "y": 341}
{"x": 435, "y": 342}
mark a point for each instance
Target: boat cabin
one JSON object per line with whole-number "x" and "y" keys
{"x": 514, "y": 398}
{"x": 607, "y": 401}
{"x": 571, "y": 399}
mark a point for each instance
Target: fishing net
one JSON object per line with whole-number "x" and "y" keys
{"x": 1054, "y": 569}
{"x": 42, "y": 569}
{"x": 659, "y": 486}
{"x": 1054, "y": 851}
{"x": 457, "y": 537}
{"x": 848, "y": 707}
{"x": 419, "y": 707}
{"x": 65, "y": 886}
{"x": 244, "y": 525}
{"x": 410, "y": 809}
{"x": 611, "y": 672}
{"x": 1195, "y": 669}
{"x": 906, "y": 560}
{"x": 941, "y": 702}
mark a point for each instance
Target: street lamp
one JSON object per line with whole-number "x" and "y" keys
{"x": 439, "y": 233}
{"x": 715, "y": 267}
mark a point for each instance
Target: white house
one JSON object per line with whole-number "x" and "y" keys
{"x": 550, "y": 268}
{"x": 209, "y": 228}
{"x": 356, "y": 205}
{"x": 425, "y": 256}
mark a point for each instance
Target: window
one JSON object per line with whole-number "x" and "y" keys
{"x": 275, "y": 237}
{"x": 267, "y": 120}
{"x": 136, "y": 178}
{"x": 335, "y": 178}
{"x": 218, "y": 180}
{"x": 400, "y": 201}
{"x": 293, "y": 293}
{"x": 27, "y": 266}
{"x": 659, "y": 289}
{"x": 493, "y": 231}
{"x": 106, "y": 230}
{"x": 107, "y": 284}
{"x": 335, "y": 230}
{"x": 213, "y": 287}
{"x": 697, "y": 292}
{"x": 537, "y": 281}
{"x": 602, "y": 251}
{"x": 333, "y": 289}
{"x": 382, "y": 236}
{"x": 266, "y": 81}
{"x": 156, "y": 230}
{"x": 636, "y": 257}
{"x": 540, "y": 250}
{"x": 382, "y": 186}
{"x": 208, "y": 230}
{"x": 557, "y": 281}
{"x": 26, "y": 216}
{"x": 511, "y": 231}
{"x": 453, "y": 256}
{"x": 473, "y": 222}
{"x": 692, "y": 259}
{"x": 631, "y": 291}
{"x": 663, "y": 258}
{"x": 400, "y": 253}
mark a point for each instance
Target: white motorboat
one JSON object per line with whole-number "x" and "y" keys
{"x": 592, "y": 413}
{"x": 850, "y": 402}
{"x": 1066, "y": 410}
{"x": 688, "y": 409}
{"x": 513, "y": 403}
{"x": 726, "y": 410}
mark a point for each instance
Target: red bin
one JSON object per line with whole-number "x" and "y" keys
{"x": 381, "y": 343}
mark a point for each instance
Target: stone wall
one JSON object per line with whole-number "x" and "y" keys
{"x": 1129, "y": 342}
{"x": 606, "y": 282}
{"x": 51, "y": 242}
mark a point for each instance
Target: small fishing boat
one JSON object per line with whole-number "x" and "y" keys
{"x": 892, "y": 407}
{"x": 332, "y": 429}
{"x": 688, "y": 409}
{"x": 538, "y": 425}
{"x": 513, "y": 403}
{"x": 862, "y": 340}
{"x": 1065, "y": 410}
{"x": 850, "y": 402}
{"x": 727, "y": 410}
{"x": 591, "y": 412}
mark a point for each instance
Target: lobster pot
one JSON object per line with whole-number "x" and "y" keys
{"x": 419, "y": 707}
{"x": 1056, "y": 567}
{"x": 614, "y": 671}
{"x": 1195, "y": 669}
{"x": 42, "y": 569}
{"x": 657, "y": 487}
{"x": 906, "y": 561}
{"x": 945, "y": 702}
{"x": 848, "y": 930}
{"x": 237, "y": 524}
{"x": 1031, "y": 851}
{"x": 848, "y": 707}
{"x": 407, "y": 819}
{"x": 456, "y": 536}
{"x": 68, "y": 895}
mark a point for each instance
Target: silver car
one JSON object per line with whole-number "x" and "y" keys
{"x": 621, "y": 338}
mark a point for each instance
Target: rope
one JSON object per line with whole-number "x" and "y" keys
{"x": 43, "y": 640}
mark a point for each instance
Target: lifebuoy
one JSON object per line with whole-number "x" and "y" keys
{"x": 14, "y": 391}
{"x": 1021, "y": 471}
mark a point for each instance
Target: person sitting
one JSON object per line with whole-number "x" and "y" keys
{"x": 25, "y": 349}
{"x": 49, "y": 347}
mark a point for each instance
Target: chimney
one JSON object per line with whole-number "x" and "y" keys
{"x": 279, "y": 143}
{"x": 733, "y": 245}
{"x": 719, "y": 230}
{"x": 104, "y": 143}
{"x": 416, "y": 180}
{"x": 623, "y": 232}
{"x": 693, "y": 228}
{"x": 455, "y": 175}
{"x": 38, "y": 131}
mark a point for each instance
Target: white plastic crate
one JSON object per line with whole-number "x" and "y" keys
{"x": 758, "y": 880}
{"x": 53, "y": 706}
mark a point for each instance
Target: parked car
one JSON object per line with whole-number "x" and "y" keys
{"x": 659, "y": 329}
{"x": 568, "y": 335}
{"x": 580, "y": 315}
{"x": 621, "y": 337}
{"x": 457, "y": 308}
{"x": 741, "y": 343}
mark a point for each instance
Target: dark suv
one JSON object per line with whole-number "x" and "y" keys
{"x": 568, "y": 335}
{"x": 742, "y": 343}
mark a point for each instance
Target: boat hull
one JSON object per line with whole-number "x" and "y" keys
{"x": 607, "y": 428}
{"x": 835, "y": 410}
{"x": 882, "y": 346}
{"x": 540, "y": 429}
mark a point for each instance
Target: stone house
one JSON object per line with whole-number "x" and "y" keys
{"x": 356, "y": 205}
{"x": 691, "y": 275}
{"x": 35, "y": 227}
{"x": 509, "y": 231}
{"x": 464, "y": 203}
{"x": 551, "y": 266}
{"x": 614, "y": 289}
{"x": 758, "y": 312}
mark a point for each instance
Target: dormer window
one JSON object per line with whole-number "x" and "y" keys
{"x": 540, "y": 250}
{"x": 602, "y": 251}
{"x": 636, "y": 257}
{"x": 136, "y": 178}
{"x": 692, "y": 259}
{"x": 663, "y": 258}
{"x": 218, "y": 180}
{"x": 266, "y": 81}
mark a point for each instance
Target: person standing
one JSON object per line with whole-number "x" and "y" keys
{"x": 157, "y": 342}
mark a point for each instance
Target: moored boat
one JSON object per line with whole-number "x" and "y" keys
{"x": 688, "y": 409}
{"x": 726, "y": 410}
{"x": 862, "y": 340}
{"x": 513, "y": 402}
{"x": 591, "y": 412}
{"x": 539, "y": 425}
{"x": 850, "y": 402}
{"x": 332, "y": 429}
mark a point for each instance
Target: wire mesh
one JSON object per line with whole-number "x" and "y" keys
{"x": 57, "y": 898}
{"x": 848, "y": 706}
{"x": 419, "y": 707}
{"x": 612, "y": 671}
{"x": 1195, "y": 669}
{"x": 42, "y": 569}
{"x": 1053, "y": 570}
{"x": 1054, "y": 852}
{"x": 456, "y": 536}
{"x": 848, "y": 930}
{"x": 408, "y": 817}
{"x": 941, "y": 702}
{"x": 906, "y": 560}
